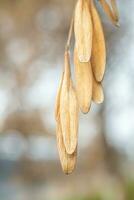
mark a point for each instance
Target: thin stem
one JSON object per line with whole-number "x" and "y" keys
{"x": 70, "y": 34}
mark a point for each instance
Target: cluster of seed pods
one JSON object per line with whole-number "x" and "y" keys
{"x": 89, "y": 65}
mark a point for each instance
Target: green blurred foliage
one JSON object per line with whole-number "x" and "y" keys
{"x": 95, "y": 197}
{"x": 130, "y": 190}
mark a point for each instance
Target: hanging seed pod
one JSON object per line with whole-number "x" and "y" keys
{"x": 68, "y": 161}
{"x": 83, "y": 76}
{"x": 83, "y": 30}
{"x": 115, "y": 10}
{"x": 98, "y": 57}
{"x": 89, "y": 62}
{"x": 98, "y": 95}
{"x": 69, "y": 110}
{"x": 111, "y": 13}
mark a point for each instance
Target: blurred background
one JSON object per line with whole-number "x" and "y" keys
{"x": 32, "y": 39}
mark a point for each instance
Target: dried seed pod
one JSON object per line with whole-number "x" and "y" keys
{"x": 112, "y": 14}
{"x": 98, "y": 95}
{"x": 68, "y": 161}
{"x": 69, "y": 110}
{"x": 57, "y": 106}
{"x": 83, "y": 76}
{"x": 83, "y": 30}
{"x": 74, "y": 112}
{"x": 115, "y": 9}
{"x": 98, "y": 57}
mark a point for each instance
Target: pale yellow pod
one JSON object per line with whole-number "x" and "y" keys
{"x": 68, "y": 161}
{"x": 84, "y": 83}
{"x": 64, "y": 102}
{"x": 83, "y": 30}
{"x": 57, "y": 106}
{"x": 112, "y": 14}
{"x": 98, "y": 57}
{"x": 98, "y": 95}
{"x": 68, "y": 115}
{"x": 74, "y": 118}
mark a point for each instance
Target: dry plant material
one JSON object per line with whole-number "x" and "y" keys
{"x": 83, "y": 30}
{"x": 115, "y": 9}
{"x": 98, "y": 58}
{"x": 83, "y": 76}
{"x": 68, "y": 161}
{"x": 57, "y": 106}
{"x": 68, "y": 110}
{"x": 66, "y": 114}
{"x": 111, "y": 13}
{"x": 98, "y": 95}
{"x": 89, "y": 64}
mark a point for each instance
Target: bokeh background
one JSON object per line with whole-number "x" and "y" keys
{"x": 32, "y": 39}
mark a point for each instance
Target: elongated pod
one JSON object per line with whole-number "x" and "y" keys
{"x": 68, "y": 161}
{"x": 115, "y": 9}
{"x": 69, "y": 110}
{"x": 97, "y": 95}
{"x": 83, "y": 77}
{"x": 83, "y": 30}
{"x": 98, "y": 57}
{"x": 112, "y": 14}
